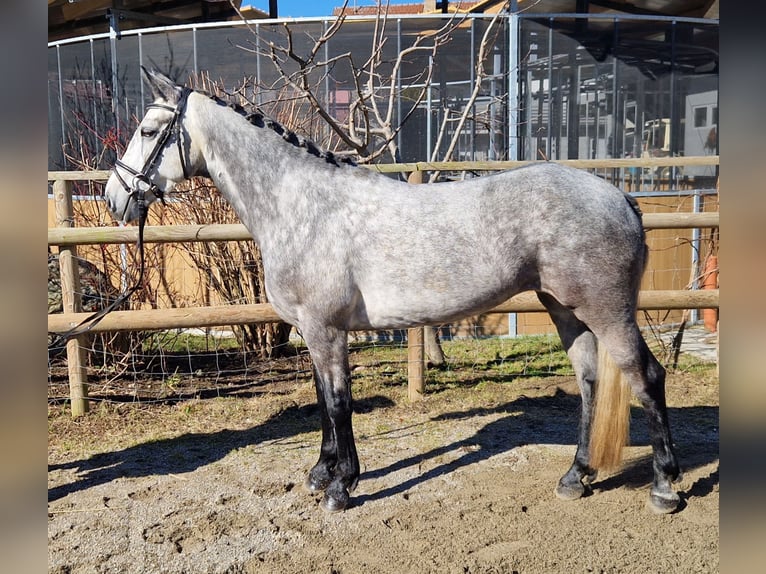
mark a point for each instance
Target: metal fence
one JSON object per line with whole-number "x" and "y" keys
{"x": 552, "y": 86}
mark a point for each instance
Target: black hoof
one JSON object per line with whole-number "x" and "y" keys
{"x": 333, "y": 504}
{"x": 663, "y": 502}
{"x": 314, "y": 486}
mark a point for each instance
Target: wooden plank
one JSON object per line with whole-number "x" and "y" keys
{"x": 647, "y": 301}
{"x": 71, "y": 300}
{"x": 152, "y": 234}
{"x": 679, "y": 220}
{"x": 103, "y": 175}
{"x": 222, "y": 315}
{"x": 578, "y": 163}
{"x": 238, "y": 232}
{"x": 174, "y": 318}
{"x": 96, "y": 175}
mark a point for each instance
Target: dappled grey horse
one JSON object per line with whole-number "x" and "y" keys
{"x": 335, "y": 260}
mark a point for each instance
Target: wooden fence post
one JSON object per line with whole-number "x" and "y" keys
{"x": 71, "y": 300}
{"x": 416, "y": 384}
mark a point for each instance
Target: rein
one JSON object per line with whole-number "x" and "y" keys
{"x": 141, "y": 184}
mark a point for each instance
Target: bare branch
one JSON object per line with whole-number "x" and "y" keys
{"x": 375, "y": 115}
{"x": 483, "y": 47}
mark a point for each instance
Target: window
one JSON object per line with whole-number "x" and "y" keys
{"x": 700, "y": 117}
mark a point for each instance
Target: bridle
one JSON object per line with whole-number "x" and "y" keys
{"x": 138, "y": 191}
{"x": 140, "y": 185}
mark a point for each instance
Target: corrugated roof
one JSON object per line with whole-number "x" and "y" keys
{"x": 68, "y": 19}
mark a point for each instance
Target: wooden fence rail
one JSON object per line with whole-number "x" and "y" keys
{"x": 643, "y": 162}
{"x": 67, "y": 238}
{"x": 222, "y": 315}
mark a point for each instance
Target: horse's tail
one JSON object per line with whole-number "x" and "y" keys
{"x": 611, "y": 415}
{"x": 610, "y": 420}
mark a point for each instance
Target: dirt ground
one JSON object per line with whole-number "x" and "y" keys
{"x": 460, "y": 482}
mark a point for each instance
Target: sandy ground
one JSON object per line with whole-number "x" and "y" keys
{"x": 461, "y": 482}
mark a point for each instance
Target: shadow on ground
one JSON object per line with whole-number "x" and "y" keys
{"x": 526, "y": 421}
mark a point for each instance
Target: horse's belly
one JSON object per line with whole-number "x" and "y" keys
{"x": 409, "y": 308}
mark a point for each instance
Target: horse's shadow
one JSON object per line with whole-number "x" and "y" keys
{"x": 526, "y": 421}
{"x": 526, "y": 424}
{"x": 191, "y": 451}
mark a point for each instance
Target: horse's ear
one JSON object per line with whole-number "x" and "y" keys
{"x": 162, "y": 87}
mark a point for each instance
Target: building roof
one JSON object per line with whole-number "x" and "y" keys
{"x": 681, "y": 8}
{"x": 423, "y": 7}
{"x": 72, "y": 18}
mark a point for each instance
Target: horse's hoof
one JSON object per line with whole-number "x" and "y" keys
{"x": 314, "y": 486}
{"x": 663, "y": 502}
{"x": 569, "y": 491}
{"x": 334, "y": 504}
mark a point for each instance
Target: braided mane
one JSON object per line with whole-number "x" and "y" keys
{"x": 259, "y": 119}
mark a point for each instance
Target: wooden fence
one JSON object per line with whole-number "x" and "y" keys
{"x": 67, "y": 238}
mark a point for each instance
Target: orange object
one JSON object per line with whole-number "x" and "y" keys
{"x": 710, "y": 281}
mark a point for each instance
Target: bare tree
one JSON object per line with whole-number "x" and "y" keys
{"x": 384, "y": 90}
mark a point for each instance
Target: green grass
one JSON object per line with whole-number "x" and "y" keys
{"x": 479, "y": 362}
{"x": 469, "y": 362}
{"x": 184, "y": 342}
{"x": 477, "y": 372}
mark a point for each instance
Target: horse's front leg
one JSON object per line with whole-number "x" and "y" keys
{"x": 337, "y": 470}
{"x": 320, "y": 476}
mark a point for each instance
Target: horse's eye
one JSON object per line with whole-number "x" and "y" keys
{"x": 148, "y": 132}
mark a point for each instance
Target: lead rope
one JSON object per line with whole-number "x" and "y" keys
{"x": 94, "y": 319}
{"x": 143, "y": 209}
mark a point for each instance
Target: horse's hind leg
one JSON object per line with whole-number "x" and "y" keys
{"x": 646, "y": 377}
{"x": 648, "y": 384}
{"x": 580, "y": 345}
{"x": 337, "y": 470}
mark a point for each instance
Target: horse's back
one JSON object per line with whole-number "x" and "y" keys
{"x": 588, "y": 237}
{"x": 431, "y": 253}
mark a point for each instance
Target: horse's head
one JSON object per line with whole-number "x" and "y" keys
{"x": 158, "y": 155}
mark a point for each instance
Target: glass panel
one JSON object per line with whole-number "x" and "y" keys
{"x": 80, "y": 92}
{"x": 172, "y": 53}
{"x": 700, "y": 117}
{"x": 588, "y": 88}
{"x": 606, "y": 88}
{"x": 55, "y": 115}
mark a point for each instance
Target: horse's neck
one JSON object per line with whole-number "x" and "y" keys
{"x": 247, "y": 164}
